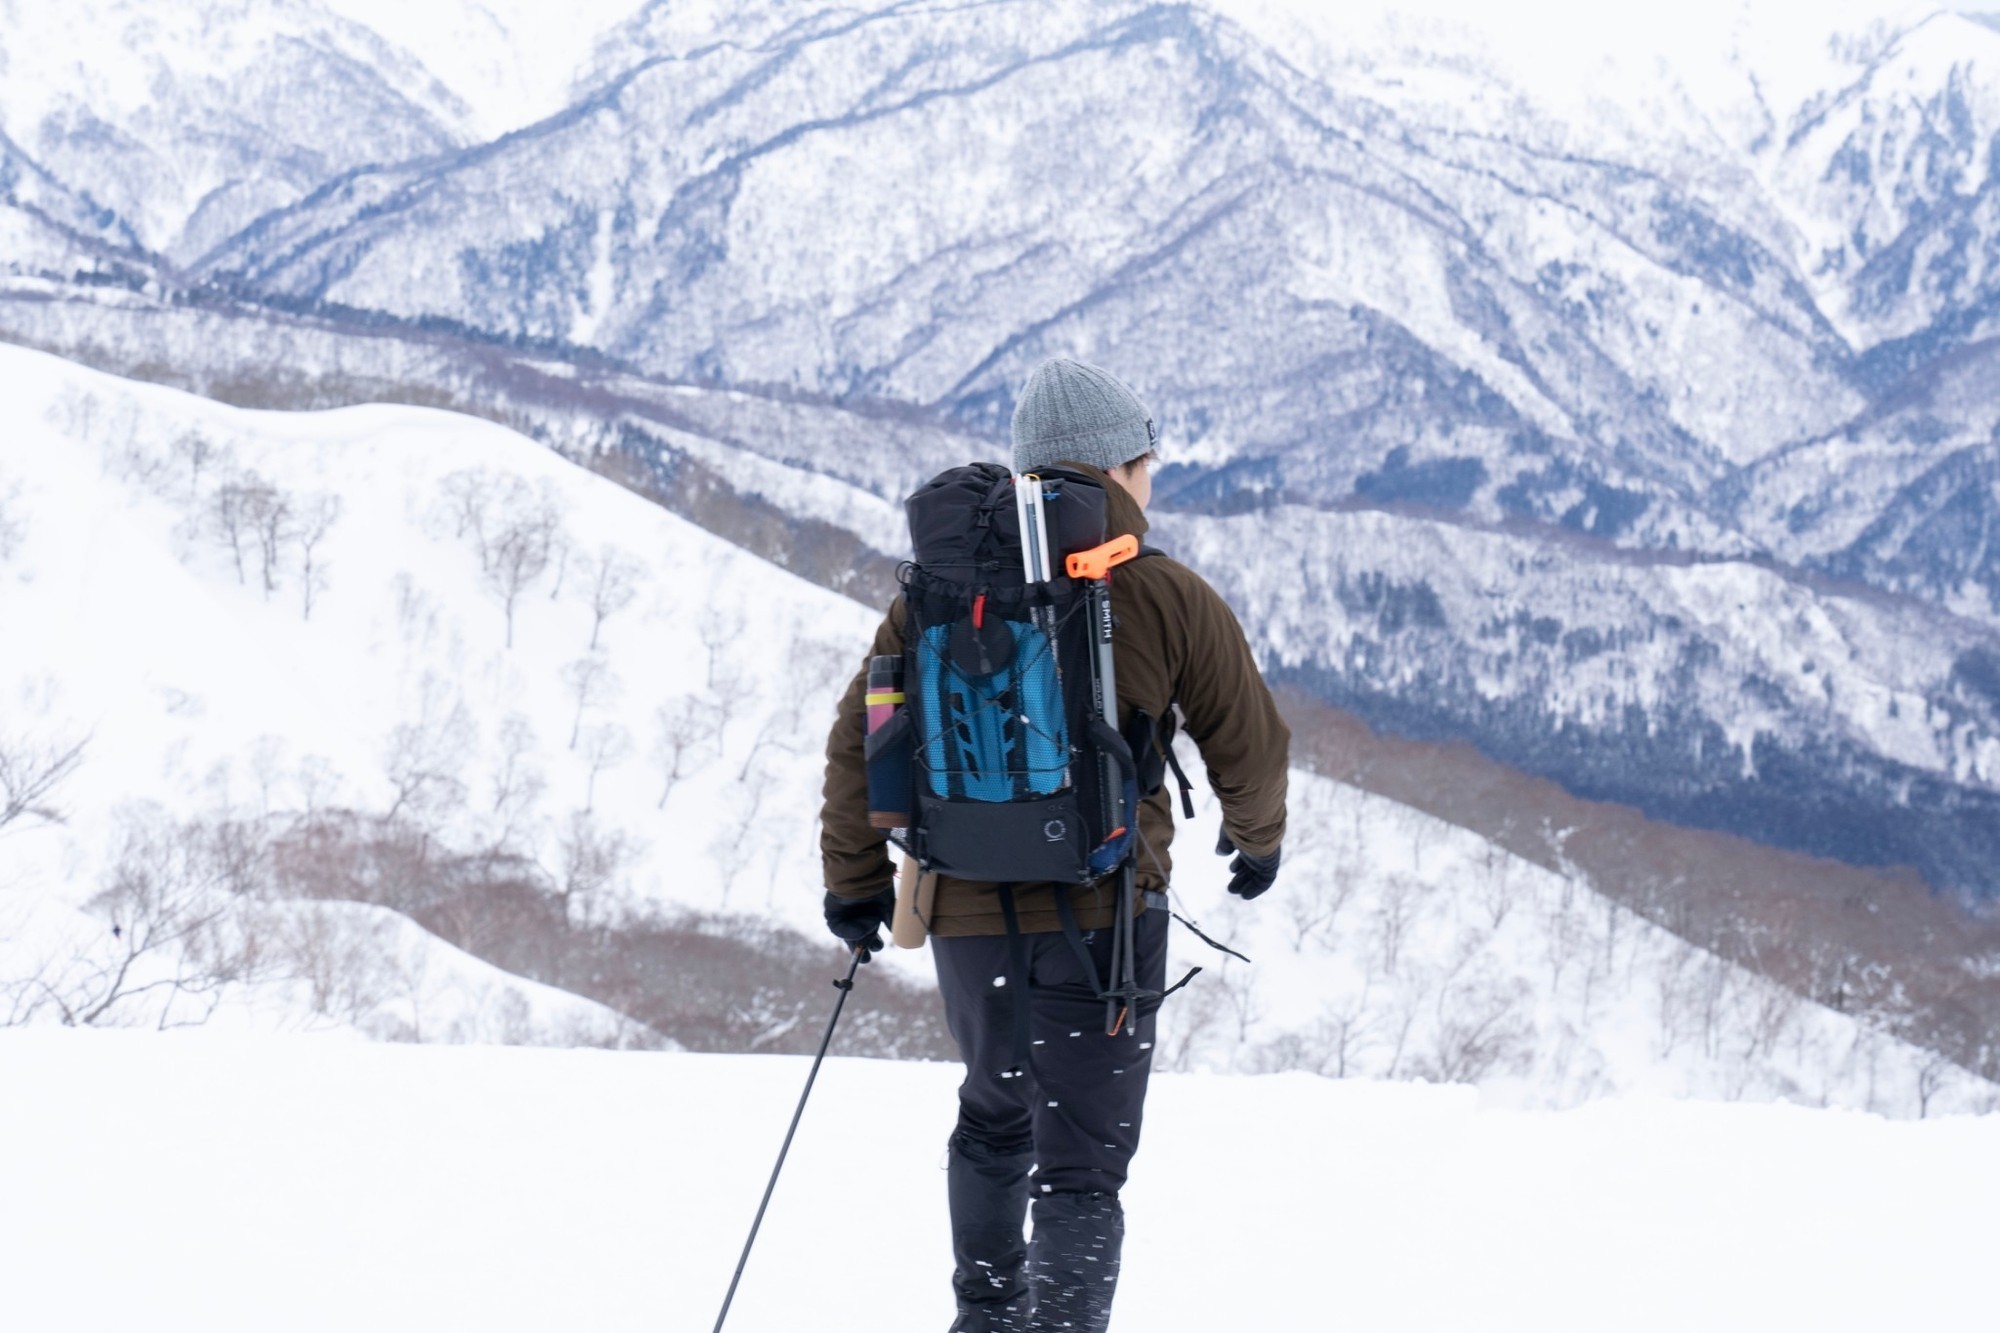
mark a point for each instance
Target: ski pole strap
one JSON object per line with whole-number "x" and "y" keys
{"x": 1181, "y": 777}
{"x": 1017, "y": 977}
{"x": 1200, "y": 935}
{"x": 1066, "y": 913}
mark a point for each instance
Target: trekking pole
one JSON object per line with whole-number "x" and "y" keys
{"x": 844, "y": 985}
{"x": 1094, "y": 566}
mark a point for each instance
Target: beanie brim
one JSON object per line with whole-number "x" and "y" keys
{"x": 1106, "y": 447}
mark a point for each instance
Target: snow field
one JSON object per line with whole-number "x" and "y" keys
{"x": 203, "y": 1181}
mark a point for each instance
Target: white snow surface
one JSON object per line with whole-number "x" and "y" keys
{"x": 230, "y": 1183}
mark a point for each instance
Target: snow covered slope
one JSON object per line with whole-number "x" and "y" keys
{"x": 197, "y": 689}
{"x": 130, "y": 619}
{"x": 318, "y": 1185}
{"x": 379, "y": 675}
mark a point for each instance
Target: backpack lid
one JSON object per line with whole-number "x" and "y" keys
{"x": 963, "y": 520}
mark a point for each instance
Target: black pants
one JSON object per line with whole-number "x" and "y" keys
{"x": 1073, "y": 1113}
{"x": 1084, "y": 1095}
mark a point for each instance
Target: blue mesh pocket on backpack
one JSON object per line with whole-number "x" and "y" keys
{"x": 1041, "y": 710}
{"x": 930, "y": 694}
{"x": 997, "y": 737}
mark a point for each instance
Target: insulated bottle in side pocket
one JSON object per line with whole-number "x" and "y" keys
{"x": 890, "y": 749}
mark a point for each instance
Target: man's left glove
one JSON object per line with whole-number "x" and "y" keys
{"x": 859, "y": 922}
{"x": 1249, "y": 875}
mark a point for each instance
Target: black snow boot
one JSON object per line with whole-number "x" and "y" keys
{"x": 989, "y": 1214}
{"x": 1073, "y": 1261}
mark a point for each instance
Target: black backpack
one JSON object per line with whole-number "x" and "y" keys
{"x": 1010, "y": 769}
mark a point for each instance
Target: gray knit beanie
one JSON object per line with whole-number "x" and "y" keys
{"x": 1071, "y": 412}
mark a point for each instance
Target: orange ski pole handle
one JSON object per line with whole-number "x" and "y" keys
{"x": 1096, "y": 563}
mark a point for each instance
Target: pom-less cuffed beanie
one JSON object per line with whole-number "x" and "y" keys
{"x": 1075, "y": 413}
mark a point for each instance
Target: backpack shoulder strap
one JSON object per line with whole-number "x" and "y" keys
{"x": 1167, "y": 728}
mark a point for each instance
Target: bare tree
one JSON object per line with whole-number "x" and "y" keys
{"x": 614, "y": 582}
{"x": 138, "y": 466}
{"x": 318, "y": 781}
{"x": 684, "y": 727}
{"x": 517, "y": 784}
{"x": 1239, "y": 989}
{"x": 604, "y": 747}
{"x": 1772, "y": 1013}
{"x": 1932, "y": 1075}
{"x": 1496, "y": 890}
{"x": 195, "y": 451}
{"x": 1331, "y": 1047}
{"x": 1399, "y": 1017}
{"x": 1316, "y": 906}
{"x": 170, "y": 937}
{"x": 721, "y": 625}
{"x": 780, "y": 728}
{"x": 560, "y": 553}
{"x": 269, "y": 514}
{"x": 816, "y": 665}
{"x": 1187, "y": 1025}
{"x": 466, "y": 498}
{"x": 338, "y": 960}
{"x": 317, "y": 514}
{"x": 31, "y": 769}
{"x": 1341, "y": 1034}
{"x": 423, "y": 758}
{"x": 1480, "y": 1031}
{"x": 523, "y": 537}
{"x": 233, "y": 521}
{"x": 731, "y": 844}
{"x": 592, "y": 858}
{"x": 1562, "y": 933}
{"x": 1393, "y": 916}
{"x": 591, "y": 682}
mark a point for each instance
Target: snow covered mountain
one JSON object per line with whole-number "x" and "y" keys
{"x": 186, "y": 123}
{"x": 1620, "y": 385}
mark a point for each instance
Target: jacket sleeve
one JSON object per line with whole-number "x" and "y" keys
{"x": 1230, "y": 714}
{"x": 854, "y": 855}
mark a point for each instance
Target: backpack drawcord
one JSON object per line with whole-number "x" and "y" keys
{"x": 1017, "y": 979}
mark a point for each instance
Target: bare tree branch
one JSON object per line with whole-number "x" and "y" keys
{"x": 30, "y": 773}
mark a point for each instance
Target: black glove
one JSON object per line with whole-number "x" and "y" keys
{"x": 858, "y": 922}
{"x": 1249, "y": 875}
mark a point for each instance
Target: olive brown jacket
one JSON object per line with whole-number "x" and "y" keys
{"x": 1176, "y": 643}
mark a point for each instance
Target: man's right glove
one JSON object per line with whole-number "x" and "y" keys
{"x": 1249, "y": 875}
{"x": 859, "y": 922}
